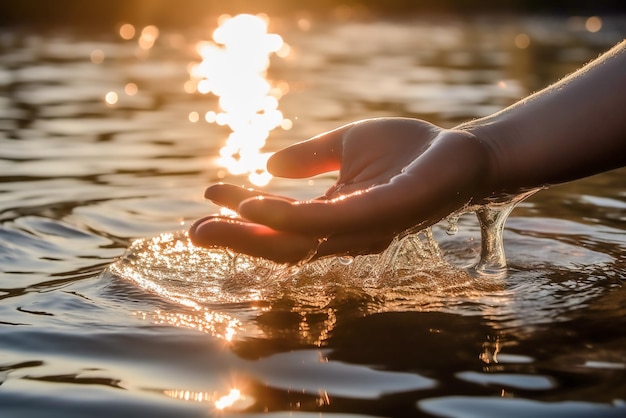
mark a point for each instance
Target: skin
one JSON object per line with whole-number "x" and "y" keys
{"x": 397, "y": 174}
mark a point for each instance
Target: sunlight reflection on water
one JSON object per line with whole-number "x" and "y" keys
{"x": 169, "y": 329}
{"x": 234, "y": 68}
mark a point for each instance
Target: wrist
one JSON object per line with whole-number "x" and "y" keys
{"x": 495, "y": 185}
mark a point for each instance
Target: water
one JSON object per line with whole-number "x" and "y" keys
{"x": 105, "y": 310}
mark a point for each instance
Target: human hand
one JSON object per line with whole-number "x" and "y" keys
{"x": 395, "y": 174}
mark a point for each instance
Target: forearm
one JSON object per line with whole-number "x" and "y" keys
{"x": 572, "y": 129}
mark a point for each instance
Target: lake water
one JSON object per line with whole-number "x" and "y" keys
{"x": 89, "y": 327}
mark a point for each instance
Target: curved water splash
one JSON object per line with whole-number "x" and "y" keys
{"x": 172, "y": 267}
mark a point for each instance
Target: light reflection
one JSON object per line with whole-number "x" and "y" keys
{"x": 111, "y": 98}
{"x": 127, "y": 31}
{"x": 97, "y": 56}
{"x": 234, "y": 68}
{"x": 593, "y": 24}
{"x": 148, "y": 37}
{"x": 522, "y": 40}
{"x": 217, "y": 324}
{"x": 233, "y": 400}
{"x": 224, "y": 211}
{"x": 304, "y": 24}
{"x": 131, "y": 89}
{"x": 228, "y": 400}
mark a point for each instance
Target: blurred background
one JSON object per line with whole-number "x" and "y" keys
{"x": 191, "y": 12}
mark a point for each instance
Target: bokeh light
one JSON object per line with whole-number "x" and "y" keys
{"x": 127, "y": 31}
{"x": 593, "y": 24}
{"x": 194, "y": 117}
{"x": 97, "y": 56}
{"x": 234, "y": 67}
{"x": 131, "y": 89}
{"x": 111, "y": 98}
{"x": 522, "y": 40}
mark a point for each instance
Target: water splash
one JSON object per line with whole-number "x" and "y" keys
{"x": 410, "y": 274}
{"x": 345, "y": 260}
{"x": 172, "y": 267}
{"x": 453, "y": 225}
{"x": 491, "y": 219}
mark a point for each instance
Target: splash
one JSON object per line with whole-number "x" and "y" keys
{"x": 491, "y": 219}
{"x": 224, "y": 293}
{"x": 170, "y": 266}
{"x": 234, "y": 68}
{"x": 235, "y": 297}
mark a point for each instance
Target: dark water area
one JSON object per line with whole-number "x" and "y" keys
{"x": 105, "y": 311}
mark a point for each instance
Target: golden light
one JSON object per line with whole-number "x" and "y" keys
{"x": 522, "y": 40}
{"x": 229, "y": 400}
{"x": 127, "y": 31}
{"x": 219, "y": 325}
{"x": 234, "y": 68}
{"x": 131, "y": 89}
{"x": 210, "y": 116}
{"x": 148, "y": 37}
{"x": 286, "y": 124}
{"x": 111, "y": 98}
{"x": 593, "y": 24}
{"x": 304, "y": 24}
{"x": 150, "y": 33}
{"x": 224, "y": 211}
{"x": 97, "y": 56}
{"x": 233, "y": 400}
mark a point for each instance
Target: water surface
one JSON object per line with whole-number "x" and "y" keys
{"x": 89, "y": 327}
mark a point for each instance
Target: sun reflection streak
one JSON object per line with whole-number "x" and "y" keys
{"x": 234, "y": 67}
{"x": 233, "y": 400}
{"x": 228, "y": 400}
{"x": 217, "y": 324}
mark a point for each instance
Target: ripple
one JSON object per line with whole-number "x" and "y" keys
{"x": 516, "y": 381}
{"x": 468, "y": 407}
{"x": 316, "y": 373}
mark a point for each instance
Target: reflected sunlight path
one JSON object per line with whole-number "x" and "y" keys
{"x": 234, "y": 67}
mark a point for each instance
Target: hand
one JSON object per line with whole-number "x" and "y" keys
{"x": 395, "y": 174}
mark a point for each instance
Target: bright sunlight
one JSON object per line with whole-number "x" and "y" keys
{"x": 234, "y": 68}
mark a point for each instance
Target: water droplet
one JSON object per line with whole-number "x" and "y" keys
{"x": 452, "y": 229}
{"x": 345, "y": 260}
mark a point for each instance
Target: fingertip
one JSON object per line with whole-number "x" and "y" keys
{"x": 280, "y": 165}
{"x": 252, "y": 239}
{"x": 211, "y": 191}
{"x": 199, "y": 232}
{"x": 269, "y": 211}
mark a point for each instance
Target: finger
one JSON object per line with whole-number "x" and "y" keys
{"x": 353, "y": 244}
{"x": 308, "y": 158}
{"x": 387, "y": 206}
{"x": 231, "y": 196}
{"x": 252, "y": 239}
{"x": 421, "y": 196}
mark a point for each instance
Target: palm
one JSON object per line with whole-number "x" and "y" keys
{"x": 375, "y": 151}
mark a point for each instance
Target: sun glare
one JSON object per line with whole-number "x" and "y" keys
{"x": 233, "y": 400}
{"x": 234, "y": 68}
{"x": 228, "y": 400}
